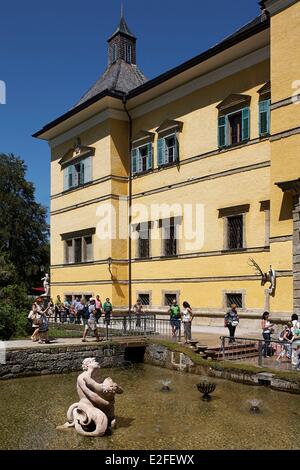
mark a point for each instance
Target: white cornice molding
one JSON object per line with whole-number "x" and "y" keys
{"x": 275, "y": 6}
{"x": 236, "y": 66}
{"x": 88, "y": 124}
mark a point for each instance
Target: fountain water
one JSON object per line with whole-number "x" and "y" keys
{"x": 165, "y": 385}
{"x": 254, "y": 405}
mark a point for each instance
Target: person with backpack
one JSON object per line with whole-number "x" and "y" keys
{"x": 285, "y": 336}
{"x": 90, "y": 325}
{"x": 107, "y": 310}
{"x": 231, "y": 321}
{"x": 43, "y": 321}
{"x": 85, "y": 314}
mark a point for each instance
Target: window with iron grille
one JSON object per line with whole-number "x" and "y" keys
{"x": 170, "y": 238}
{"x": 169, "y": 298}
{"x": 236, "y": 299}
{"x": 143, "y": 241}
{"x": 235, "y": 225}
{"x": 145, "y": 299}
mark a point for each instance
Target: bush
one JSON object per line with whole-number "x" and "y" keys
{"x": 14, "y": 309}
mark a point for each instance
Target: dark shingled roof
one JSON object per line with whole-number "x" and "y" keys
{"x": 122, "y": 29}
{"x": 256, "y": 21}
{"x": 120, "y": 77}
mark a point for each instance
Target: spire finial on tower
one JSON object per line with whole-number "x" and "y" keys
{"x": 122, "y": 9}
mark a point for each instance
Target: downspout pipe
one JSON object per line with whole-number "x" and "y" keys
{"x": 129, "y": 210}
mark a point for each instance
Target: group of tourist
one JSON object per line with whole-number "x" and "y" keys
{"x": 88, "y": 313}
{"x": 289, "y": 336}
{"x": 80, "y": 311}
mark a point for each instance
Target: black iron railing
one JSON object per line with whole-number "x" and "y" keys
{"x": 271, "y": 353}
{"x": 123, "y": 325}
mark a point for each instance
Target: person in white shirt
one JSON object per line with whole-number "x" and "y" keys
{"x": 187, "y": 318}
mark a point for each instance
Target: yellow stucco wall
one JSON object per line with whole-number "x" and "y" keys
{"x": 285, "y": 166}
{"x": 242, "y": 175}
{"x": 284, "y": 56}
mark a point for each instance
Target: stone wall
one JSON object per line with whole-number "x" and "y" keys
{"x": 58, "y": 359}
{"x": 159, "y": 355}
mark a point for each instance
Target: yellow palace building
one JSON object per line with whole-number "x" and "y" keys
{"x": 202, "y": 162}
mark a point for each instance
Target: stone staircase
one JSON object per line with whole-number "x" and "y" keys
{"x": 235, "y": 351}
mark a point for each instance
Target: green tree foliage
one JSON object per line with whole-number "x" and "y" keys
{"x": 24, "y": 231}
{"x": 14, "y": 309}
{"x": 24, "y": 245}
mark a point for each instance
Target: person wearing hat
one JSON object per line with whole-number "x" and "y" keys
{"x": 231, "y": 321}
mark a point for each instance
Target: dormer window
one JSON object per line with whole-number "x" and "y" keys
{"x": 234, "y": 120}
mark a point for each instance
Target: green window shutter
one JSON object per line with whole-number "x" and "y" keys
{"x": 245, "y": 124}
{"x": 264, "y": 117}
{"x": 87, "y": 170}
{"x": 75, "y": 176}
{"x": 71, "y": 176}
{"x": 149, "y": 157}
{"x": 134, "y": 162}
{"x": 66, "y": 179}
{"x": 176, "y": 147}
{"x": 161, "y": 154}
{"x": 222, "y": 131}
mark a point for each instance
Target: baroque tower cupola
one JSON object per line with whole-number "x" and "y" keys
{"x": 122, "y": 74}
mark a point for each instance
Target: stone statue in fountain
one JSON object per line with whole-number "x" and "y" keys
{"x": 46, "y": 284}
{"x": 94, "y": 414}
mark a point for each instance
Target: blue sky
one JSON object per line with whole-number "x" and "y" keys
{"x": 52, "y": 52}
